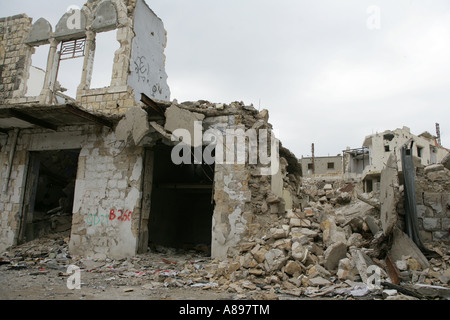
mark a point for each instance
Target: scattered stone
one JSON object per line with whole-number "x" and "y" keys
{"x": 293, "y": 268}
{"x": 389, "y": 293}
{"x": 274, "y": 260}
{"x": 360, "y": 291}
{"x": 319, "y": 282}
{"x": 299, "y": 252}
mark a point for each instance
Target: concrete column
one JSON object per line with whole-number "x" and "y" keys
{"x": 50, "y": 73}
{"x": 88, "y": 64}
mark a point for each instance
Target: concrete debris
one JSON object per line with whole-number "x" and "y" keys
{"x": 446, "y": 161}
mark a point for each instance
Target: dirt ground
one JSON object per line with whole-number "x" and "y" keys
{"x": 39, "y": 271}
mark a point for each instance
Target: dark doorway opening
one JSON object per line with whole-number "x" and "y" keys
{"x": 49, "y": 193}
{"x": 181, "y": 204}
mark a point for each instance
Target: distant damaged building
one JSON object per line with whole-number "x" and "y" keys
{"x": 123, "y": 167}
{"x": 366, "y": 163}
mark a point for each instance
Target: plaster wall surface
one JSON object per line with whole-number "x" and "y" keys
{"x": 147, "y": 66}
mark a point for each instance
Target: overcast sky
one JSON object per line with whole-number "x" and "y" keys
{"x": 330, "y": 72}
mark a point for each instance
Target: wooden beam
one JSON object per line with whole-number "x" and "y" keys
{"x": 88, "y": 116}
{"x": 38, "y": 122}
{"x": 151, "y": 104}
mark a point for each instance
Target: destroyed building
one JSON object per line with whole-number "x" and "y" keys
{"x": 365, "y": 163}
{"x": 124, "y": 168}
{"x": 100, "y": 166}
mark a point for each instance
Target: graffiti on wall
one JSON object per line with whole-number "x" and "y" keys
{"x": 106, "y": 219}
{"x": 142, "y": 69}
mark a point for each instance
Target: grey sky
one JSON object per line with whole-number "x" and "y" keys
{"x": 324, "y": 76}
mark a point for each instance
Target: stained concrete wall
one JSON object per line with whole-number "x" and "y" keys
{"x": 147, "y": 67}
{"x": 321, "y": 165}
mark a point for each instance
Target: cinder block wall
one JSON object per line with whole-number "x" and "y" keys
{"x": 107, "y": 199}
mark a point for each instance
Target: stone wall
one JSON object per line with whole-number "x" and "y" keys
{"x": 14, "y": 56}
{"x": 433, "y": 202}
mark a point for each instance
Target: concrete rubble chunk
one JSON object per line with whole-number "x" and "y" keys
{"x": 293, "y": 268}
{"x": 318, "y": 270}
{"x": 347, "y": 270}
{"x": 432, "y": 291}
{"x": 278, "y": 233}
{"x": 134, "y": 124}
{"x": 319, "y": 282}
{"x": 389, "y": 195}
{"x": 434, "y": 168}
{"x": 372, "y": 224}
{"x": 299, "y": 252}
{"x": 181, "y": 119}
{"x": 362, "y": 262}
{"x": 333, "y": 254}
{"x": 274, "y": 260}
{"x": 259, "y": 253}
{"x": 403, "y": 245}
{"x": 360, "y": 291}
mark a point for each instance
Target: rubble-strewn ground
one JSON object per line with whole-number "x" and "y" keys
{"x": 38, "y": 271}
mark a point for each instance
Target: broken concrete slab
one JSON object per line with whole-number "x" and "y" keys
{"x": 333, "y": 254}
{"x": 134, "y": 124}
{"x": 404, "y": 246}
{"x": 434, "y": 168}
{"x": 432, "y": 291}
{"x": 181, "y": 119}
{"x": 389, "y": 195}
{"x": 372, "y": 224}
{"x": 319, "y": 282}
{"x": 362, "y": 262}
{"x": 347, "y": 270}
{"x": 274, "y": 260}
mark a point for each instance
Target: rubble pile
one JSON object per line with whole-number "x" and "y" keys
{"x": 319, "y": 239}
{"x": 323, "y": 251}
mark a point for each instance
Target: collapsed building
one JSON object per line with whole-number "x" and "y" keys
{"x": 100, "y": 165}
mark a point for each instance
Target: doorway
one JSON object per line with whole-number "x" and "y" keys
{"x": 49, "y": 193}
{"x": 182, "y": 204}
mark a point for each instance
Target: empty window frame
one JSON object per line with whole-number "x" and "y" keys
{"x": 106, "y": 46}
